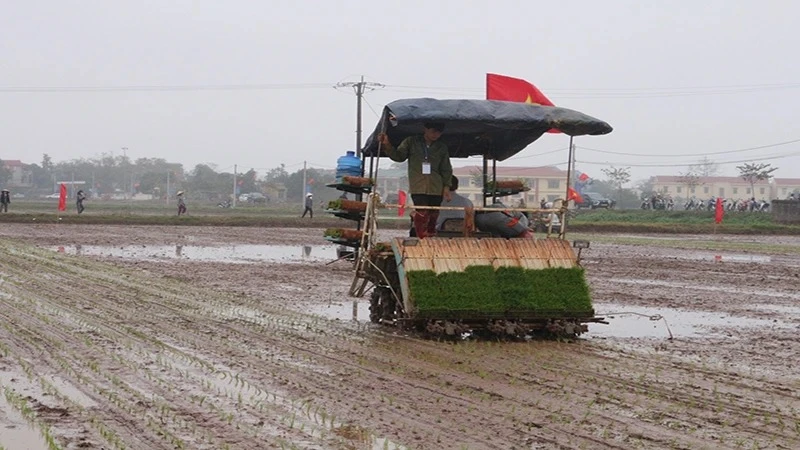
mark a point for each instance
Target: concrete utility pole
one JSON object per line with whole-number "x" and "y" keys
{"x": 360, "y": 87}
{"x": 168, "y": 187}
{"x": 234, "y": 186}
{"x": 125, "y": 160}
{"x": 303, "y": 197}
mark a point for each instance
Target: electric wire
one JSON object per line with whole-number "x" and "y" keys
{"x": 777, "y": 144}
{"x": 765, "y": 158}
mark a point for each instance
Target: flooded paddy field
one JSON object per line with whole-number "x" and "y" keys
{"x": 214, "y": 338}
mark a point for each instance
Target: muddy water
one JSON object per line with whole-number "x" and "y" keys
{"x": 646, "y": 322}
{"x": 15, "y": 431}
{"x": 624, "y": 321}
{"x": 242, "y": 254}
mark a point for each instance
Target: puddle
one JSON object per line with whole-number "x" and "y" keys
{"x": 638, "y": 322}
{"x": 789, "y": 311}
{"x": 241, "y": 254}
{"x": 681, "y": 323}
{"x": 719, "y": 257}
{"x": 15, "y": 431}
{"x": 700, "y": 287}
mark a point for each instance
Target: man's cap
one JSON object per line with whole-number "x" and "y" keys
{"x": 5, "y": 190}
{"x": 309, "y": 194}
{"x": 179, "y": 193}
{"x": 438, "y": 126}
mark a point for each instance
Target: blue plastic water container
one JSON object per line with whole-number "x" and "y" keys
{"x": 348, "y": 165}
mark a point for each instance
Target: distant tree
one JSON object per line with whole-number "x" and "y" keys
{"x": 40, "y": 178}
{"x": 689, "y": 179}
{"x": 646, "y": 187}
{"x": 277, "y": 175}
{"x": 705, "y": 168}
{"x": 248, "y": 181}
{"x": 5, "y": 173}
{"x": 752, "y": 172}
{"x": 316, "y": 178}
{"x": 476, "y": 176}
{"x": 47, "y": 162}
{"x": 204, "y": 179}
{"x": 618, "y": 177}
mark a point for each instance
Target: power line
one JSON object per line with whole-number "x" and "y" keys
{"x": 371, "y": 108}
{"x": 210, "y": 87}
{"x": 765, "y": 158}
{"x": 539, "y": 154}
{"x": 580, "y": 93}
{"x": 692, "y": 154}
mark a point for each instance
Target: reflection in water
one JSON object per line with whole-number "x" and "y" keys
{"x": 78, "y": 249}
{"x": 306, "y": 251}
{"x": 178, "y": 250}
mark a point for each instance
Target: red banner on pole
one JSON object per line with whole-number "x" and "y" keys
{"x": 720, "y": 211}
{"x": 401, "y": 200}
{"x": 62, "y": 198}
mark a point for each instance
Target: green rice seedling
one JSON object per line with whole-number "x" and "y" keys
{"x": 482, "y": 289}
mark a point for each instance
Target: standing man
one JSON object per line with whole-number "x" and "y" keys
{"x": 309, "y": 206}
{"x": 181, "y": 204}
{"x": 5, "y": 200}
{"x": 429, "y": 173}
{"x": 79, "y": 202}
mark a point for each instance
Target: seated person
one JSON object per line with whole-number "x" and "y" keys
{"x": 551, "y": 219}
{"x": 507, "y": 224}
{"x": 456, "y": 200}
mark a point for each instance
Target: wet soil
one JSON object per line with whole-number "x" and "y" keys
{"x": 107, "y": 350}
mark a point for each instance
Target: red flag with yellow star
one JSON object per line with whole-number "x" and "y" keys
{"x": 501, "y": 87}
{"x": 572, "y": 194}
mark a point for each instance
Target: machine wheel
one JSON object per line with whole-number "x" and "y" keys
{"x": 382, "y": 305}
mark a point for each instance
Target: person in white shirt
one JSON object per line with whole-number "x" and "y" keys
{"x": 456, "y": 200}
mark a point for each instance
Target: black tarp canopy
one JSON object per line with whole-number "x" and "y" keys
{"x": 495, "y": 128}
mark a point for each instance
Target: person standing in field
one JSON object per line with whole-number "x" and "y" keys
{"x": 181, "y": 204}
{"x": 429, "y": 173}
{"x": 5, "y": 200}
{"x": 81, "y": 196}
{"x": 309, "y": 206}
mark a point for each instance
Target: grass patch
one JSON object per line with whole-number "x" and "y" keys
{"x": 684, "y": 222}
{"x": 511, "y": 292}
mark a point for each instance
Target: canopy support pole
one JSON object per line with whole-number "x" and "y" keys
{"x": 569, "y": 167}
{"x": 485, "y": 175}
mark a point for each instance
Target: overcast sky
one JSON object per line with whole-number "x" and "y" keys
{"x": 678, "y": 79}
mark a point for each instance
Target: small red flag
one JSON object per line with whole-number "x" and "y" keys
{"x": 572, "y": 194}
{"x": 720, "y": 211}
{"x": 583, "y": 177}
{"x": 401, "y": 200}
{"x": 62, "y": 198}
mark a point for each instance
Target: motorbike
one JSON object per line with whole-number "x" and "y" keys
{"x": 225, "y": 204}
